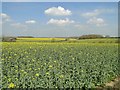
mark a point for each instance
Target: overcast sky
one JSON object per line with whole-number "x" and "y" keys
{"x": 57, "y": 19}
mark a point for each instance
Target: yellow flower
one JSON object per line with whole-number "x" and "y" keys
{"x": 37, "y": 74}
{"x": 2, "y": 59}
{"x": 61, "y": 76}
{"x": 55, "y": 61}
{"x": 50, "y": 66}
{"x": 47, "y": 73}
{"x": 11, "y": 85}
{"x": 10, "y": 57}
{"x": 22, "y": 70}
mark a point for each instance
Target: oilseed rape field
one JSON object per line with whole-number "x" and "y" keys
{"x": 39, "y": 39}
{"x": 58, "y": 65}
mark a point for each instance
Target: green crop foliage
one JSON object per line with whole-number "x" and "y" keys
{"x": 58, "y": 65}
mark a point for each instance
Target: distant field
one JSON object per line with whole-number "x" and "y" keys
{"x": 39, "y": 39}
{"x": 104, "y": 40}
{"x": 101, "y": 40}
{"x": 80, "y": 64}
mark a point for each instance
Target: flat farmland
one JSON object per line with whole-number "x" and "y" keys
{"x": 58, "y": 65}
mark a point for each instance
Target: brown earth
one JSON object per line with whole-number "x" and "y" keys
{"x": 112, "y": 85}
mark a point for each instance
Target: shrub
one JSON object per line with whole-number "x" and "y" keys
{"x": 8, "y": 39}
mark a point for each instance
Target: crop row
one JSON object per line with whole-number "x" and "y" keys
{"x": 58, "y": 65}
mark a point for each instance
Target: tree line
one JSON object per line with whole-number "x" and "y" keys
{"x": 89, "y": 36}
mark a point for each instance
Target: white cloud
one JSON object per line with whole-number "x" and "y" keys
{"x": 58, "y": 11}
{"x": 97, "y": 12}
{"x": 78, "y": 26}
{"x": 96, "y": 21}
{"x": 94, "y": 13}
{"x": 60, "y": 22}
{"x": 18, "y": 25}
{"x": 30, "y": 21}
{"x": 4, "y": 17}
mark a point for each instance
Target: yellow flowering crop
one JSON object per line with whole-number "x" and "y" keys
{"x": 50, "y": 66}
{"x": 37, "y": 74}
{"x": 11, "y": 85}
